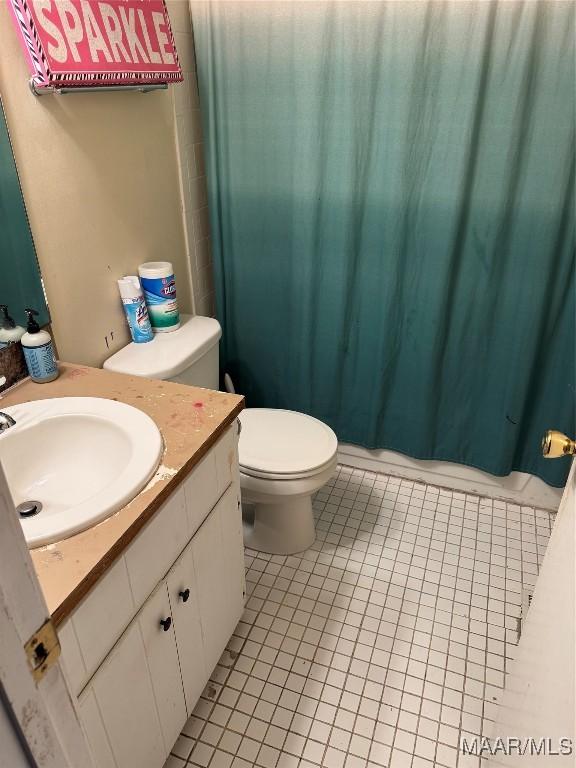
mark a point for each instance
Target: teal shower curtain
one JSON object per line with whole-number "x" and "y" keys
{"x": 392, "y": 205}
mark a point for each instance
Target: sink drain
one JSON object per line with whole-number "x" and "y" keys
{"x": 29, "y": 508}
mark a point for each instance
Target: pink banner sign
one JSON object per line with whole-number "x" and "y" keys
{"x": 75, "y": 43}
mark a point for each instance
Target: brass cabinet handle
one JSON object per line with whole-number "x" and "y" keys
{"x": 556, "y": 444}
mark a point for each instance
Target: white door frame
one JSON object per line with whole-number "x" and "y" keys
{"x": 537, "y": 709}
{"x": 43, "y": 714}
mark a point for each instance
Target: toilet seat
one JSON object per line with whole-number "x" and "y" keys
{"x": 284, "y": 445}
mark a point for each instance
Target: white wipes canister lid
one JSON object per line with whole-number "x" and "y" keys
{"x": 156, "y": 269}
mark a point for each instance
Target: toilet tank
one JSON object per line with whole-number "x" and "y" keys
{"x": 188, "y": 355}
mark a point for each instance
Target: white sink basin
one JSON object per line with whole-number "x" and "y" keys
{"x": 82, "y": 458}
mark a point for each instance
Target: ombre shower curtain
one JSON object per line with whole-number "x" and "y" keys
{"x": 392, "y": 206}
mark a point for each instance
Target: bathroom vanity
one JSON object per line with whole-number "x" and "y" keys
{"x": 146, "y": 601}
{"x": 141, "y": 646}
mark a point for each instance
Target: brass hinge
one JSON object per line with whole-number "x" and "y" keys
{"x": 42, "y": 650}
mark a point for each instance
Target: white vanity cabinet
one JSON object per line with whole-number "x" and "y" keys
{"x": 139, "y": 675}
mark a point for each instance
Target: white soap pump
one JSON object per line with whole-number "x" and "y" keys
{"x": 9, "y": 331}
{"x": 38, "y": 351}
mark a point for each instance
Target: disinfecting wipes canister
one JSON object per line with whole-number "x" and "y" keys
{"x": 159, "y": 287}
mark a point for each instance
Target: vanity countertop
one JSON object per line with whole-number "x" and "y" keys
{"x": 190, "y": 419}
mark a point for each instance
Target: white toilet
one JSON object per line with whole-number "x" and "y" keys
{"x": 284, "y": 456}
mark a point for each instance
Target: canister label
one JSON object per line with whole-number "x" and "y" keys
{"x": 40, "y": 360}
{"x": 160, "y": 296}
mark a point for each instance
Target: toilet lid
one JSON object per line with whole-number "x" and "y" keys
{"x": 278, "y": 442}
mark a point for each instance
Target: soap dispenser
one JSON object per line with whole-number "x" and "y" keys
{"x": 9, "y": 331}
{"x": 38, "y": 351}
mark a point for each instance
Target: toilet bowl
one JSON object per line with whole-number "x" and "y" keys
{"x": 285, "y": 456}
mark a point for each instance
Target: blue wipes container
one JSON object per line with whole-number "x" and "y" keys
{"x": 160, "y": 295}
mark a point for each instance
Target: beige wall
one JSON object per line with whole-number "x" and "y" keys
{"x": 101, "y": 181}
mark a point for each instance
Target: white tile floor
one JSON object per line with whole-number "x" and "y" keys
{"x": 382, "y": 644}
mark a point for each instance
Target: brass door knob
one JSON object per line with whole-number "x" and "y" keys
{"x": 556, "y": 444}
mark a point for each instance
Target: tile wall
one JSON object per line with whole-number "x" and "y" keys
{"x": 190, "y": 150}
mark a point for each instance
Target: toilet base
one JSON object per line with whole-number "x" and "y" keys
{"x": 283, "y": 528}
{"x": 279, "y": 511}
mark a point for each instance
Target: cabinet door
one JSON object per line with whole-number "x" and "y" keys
{"x": 212, "y": 579}
{"x": 158, "y": 633}
{"x": 182, "y": 589}
{"x": 230, "y": 514}
{"x": 94, "y": 727}
{"x": 226, "y": 455}
{"x": 125, "y": 697}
